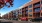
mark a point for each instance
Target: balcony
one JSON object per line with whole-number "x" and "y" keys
{"x": 41, "y": 14}
{"x": 41, "y": 5}
{"x": 26, "y": 8}
{"x": 36, "y": 15}
{"x": 37, "y": 10}
{"x": 41, "y": 2}
{"x": 30, "y": 10}
{"x": 30, "y": 15}
{"x": 23, "y": 13}
{"x": 23, "y": 10}
{"x": 26, "y": 11}
{"x": 37, "y": 5}
{"x": 26, "y": 15}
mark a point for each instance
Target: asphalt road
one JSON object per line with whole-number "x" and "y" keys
{"x": 14, "y": 21}
{"x": 20, "y": 21}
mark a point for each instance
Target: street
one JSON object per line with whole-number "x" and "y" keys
{"x": 20, "y": 21}
{"x": 13, "y": 21}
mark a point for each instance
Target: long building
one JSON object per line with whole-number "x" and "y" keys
{"x": 34, "y": 9}
{"x": 5, "y": 16}
{"x": 30, "y": 10}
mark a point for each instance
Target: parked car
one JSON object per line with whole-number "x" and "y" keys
{"x": 37, "y": 19}
{"x": 24, "y": 19}
{"x": 15, "y": 18}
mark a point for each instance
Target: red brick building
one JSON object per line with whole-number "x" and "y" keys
{"x": 31, "y": 10}
{"x": 34, "y": 9}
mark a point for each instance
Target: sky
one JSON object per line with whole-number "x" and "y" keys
{"x": 17, "y": 4}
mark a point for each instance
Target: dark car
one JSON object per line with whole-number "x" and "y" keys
{"x": 15, "y": 18}
{"x": 37, "y": 19}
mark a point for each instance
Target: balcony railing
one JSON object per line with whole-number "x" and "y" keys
{"x": 26, "y": 9}
{"x": 23, "y": 10}
{"x": 37, "y": 5}
{"x": 36, "y": 15}
{"x": 37, "y": 10}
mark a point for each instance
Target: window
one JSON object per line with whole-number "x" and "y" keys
{"x": 20, "y": 12}
{"x": 37, "y": 15}
{"x": 23, "y": 8}
{"x": 15, "y": 16}
{"x": 30, "y": 6}
{"x": 26, "y": 9}
{"x": 41, "y": 2}
{"x": 30, "y": 10}
{"x": 30, "y": 15}
{"x": 26, "y": 12}
{"x": 37, "y": 9}
{"x": 41, "y": 14}
{"x": 26, "y": 15}
{"x": 37, "y": 4}
{"x": 41, "y": 8}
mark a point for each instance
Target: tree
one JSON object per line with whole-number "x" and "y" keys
{"x": 4, "y": 3}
